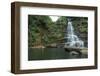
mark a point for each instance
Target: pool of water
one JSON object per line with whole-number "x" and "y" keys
{"x": 52, "y": 54}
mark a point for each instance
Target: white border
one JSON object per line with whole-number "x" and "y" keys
{"x": 25, "y": 64}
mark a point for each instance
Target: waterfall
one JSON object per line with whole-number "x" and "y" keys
{"x": 72, "y": 40}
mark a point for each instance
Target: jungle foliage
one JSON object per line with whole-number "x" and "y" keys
{"x": 42, "y": 30}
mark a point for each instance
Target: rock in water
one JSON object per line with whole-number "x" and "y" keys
{"x": 74, "y": 53}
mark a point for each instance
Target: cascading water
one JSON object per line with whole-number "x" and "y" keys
{"x": 72, "y": 40}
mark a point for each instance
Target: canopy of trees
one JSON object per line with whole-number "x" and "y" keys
{"x": 42, "y": 30}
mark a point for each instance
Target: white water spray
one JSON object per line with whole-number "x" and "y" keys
{"x": 72, "y": 40}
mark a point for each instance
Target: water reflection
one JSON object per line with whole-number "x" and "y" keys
{"x": 52, "y": 54}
